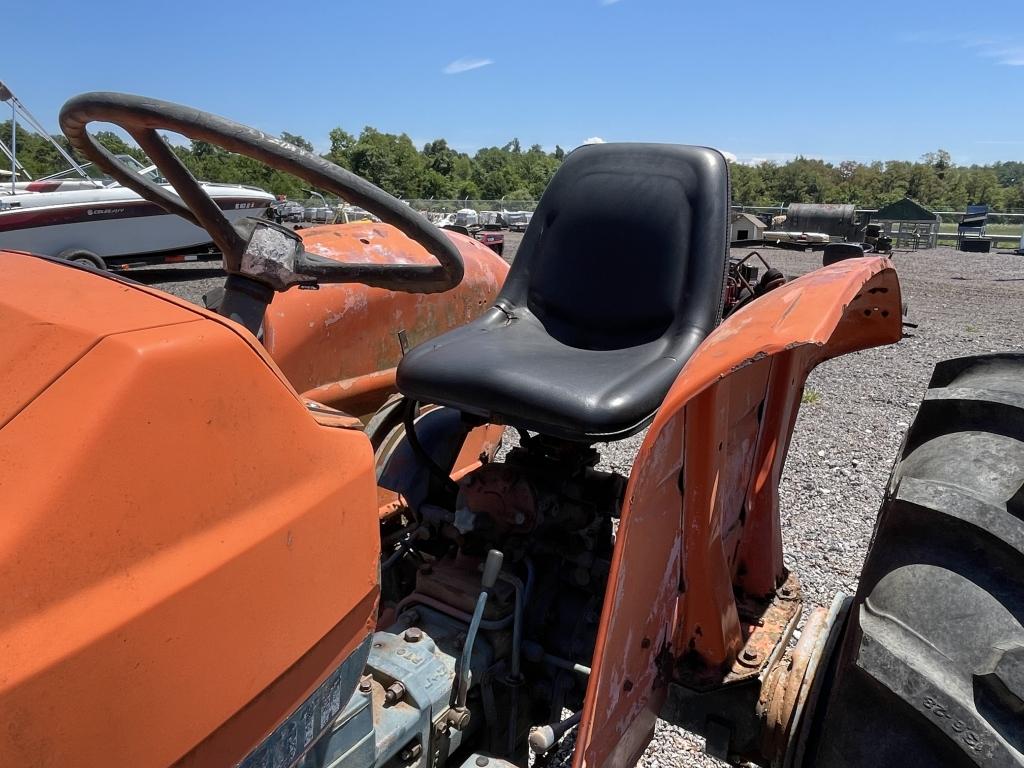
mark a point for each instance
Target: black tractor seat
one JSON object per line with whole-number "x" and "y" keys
{"x": 618, "y": 279}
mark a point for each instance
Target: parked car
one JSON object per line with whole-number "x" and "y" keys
{"x": 492, "y": 238}
{"x": 490, "y": 235}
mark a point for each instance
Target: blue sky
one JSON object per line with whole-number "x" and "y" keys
{"x": 839, "y": 80}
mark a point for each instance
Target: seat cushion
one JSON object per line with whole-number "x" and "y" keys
{"x": 509, "y": 370}
{"x": 617, "y": 280}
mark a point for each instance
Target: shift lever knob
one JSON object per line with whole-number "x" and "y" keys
{"x": 492, "y": 566}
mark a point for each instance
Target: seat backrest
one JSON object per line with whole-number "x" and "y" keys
{"x": 974, "y": 219}
{"x": 629, "y": 244}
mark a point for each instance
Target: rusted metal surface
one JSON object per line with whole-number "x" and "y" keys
{"x": 688, "y": 541}
{"x": 326, "y": 341}
{"x": 504, "y": 496}
{"x": 389, "y": 503}
{"x": 766, "y": 626}
{"x": 480, "y": 446}
{"x": 785, "y": 683}
{"x": 813, "y": 682}
{"x": 723, "y": 702}
{"x": 792, "y": 685}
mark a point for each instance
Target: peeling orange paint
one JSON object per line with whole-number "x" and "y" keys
{"x": 703, "y": 494}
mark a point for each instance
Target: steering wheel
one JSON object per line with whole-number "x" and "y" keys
{"x": 272, "y": 257}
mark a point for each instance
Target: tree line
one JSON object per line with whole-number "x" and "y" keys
{"x": 391, "y": 161}
{"x": 934, "y": 181}
{"x": 438, "y": 171}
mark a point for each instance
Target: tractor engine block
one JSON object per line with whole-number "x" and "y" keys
{"x": 549, "y": 513}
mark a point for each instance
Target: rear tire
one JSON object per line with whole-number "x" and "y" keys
{"x": 82, "y": 256}
{"x": 931, "y": 666}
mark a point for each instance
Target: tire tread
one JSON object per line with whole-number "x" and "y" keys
{"x": 942, "y": 586}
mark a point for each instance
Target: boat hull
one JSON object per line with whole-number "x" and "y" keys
{"x": 116, "y": 228}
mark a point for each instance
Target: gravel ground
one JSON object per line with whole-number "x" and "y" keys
{"x": 859, "y": 406}
{"x": 856, "y": 411}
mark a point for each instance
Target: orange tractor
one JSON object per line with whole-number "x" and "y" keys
{"x": 278, "y": 534}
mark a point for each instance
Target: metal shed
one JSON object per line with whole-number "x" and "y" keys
{"x": 908, "y": 223}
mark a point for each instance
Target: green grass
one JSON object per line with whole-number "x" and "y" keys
{"x": 810, "y": 397}
{"x": 991, "y": 229}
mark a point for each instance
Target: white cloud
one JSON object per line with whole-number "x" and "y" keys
{"x": 594, "y": 140}
{"x": 459, "y": 66}
{"x": 1010, "y": 56}
{"x": 1002, "y": 49}
{"x": 728, "y": 155}
{"x": 1004, "y": 52}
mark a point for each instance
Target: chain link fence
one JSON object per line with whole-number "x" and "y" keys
{"x": 451, "y": 206}
{"x": 504, "y": 213}
{"x": 329, "y": 208}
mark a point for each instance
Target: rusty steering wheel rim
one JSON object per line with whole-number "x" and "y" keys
{"x": 142, "y": 117}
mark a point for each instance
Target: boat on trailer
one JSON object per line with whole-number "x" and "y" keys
{"x": 113, "y": 226}
{"x": 92, "y": 219}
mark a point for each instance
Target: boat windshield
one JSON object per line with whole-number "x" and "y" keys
{"x": 98, "y": 174}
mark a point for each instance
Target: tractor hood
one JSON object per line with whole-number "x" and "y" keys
{"x": 180, "y": 536}
{"x": 40, "y": 339}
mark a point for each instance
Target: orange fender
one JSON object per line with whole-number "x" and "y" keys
{"x": 700, "y": 517}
